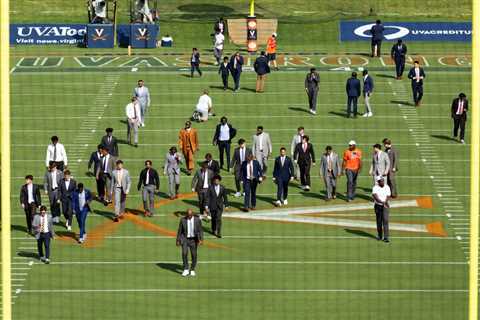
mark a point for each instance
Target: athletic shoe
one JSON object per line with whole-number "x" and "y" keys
{"x": 238, "y": 194}
{"x": 278, "y": 203}
{"x": 307, "y": 188}
{"x": 192, "y": 273}
{"x": 42, "y": 259}
{"x": 365, "y": 115}
{"x": 313, "y": 111}
{"x": 462, "y": 141}
{"x": 370, "y": 114}
{"x": 285, "y": 202}
{"x": 386, "y": 240}
{"x": 185, "y": 273}
{"x": 69, "y": 228}
{"x": 80, "y": 241}
{"x": 47, "y": 261}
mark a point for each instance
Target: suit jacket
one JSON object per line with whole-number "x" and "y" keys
{"x": 186, "y": 139}
{"x": 47, "y": 184}
{"x": 125, "y": 183}
{"x": 285, "y": 172}
{"x": 37, "y": 198}
{"x": 214, "y": 202}
{"x": 393, "y": 157}
{"x": 295, "y": 140}
{"x": 336, "y": 165}
{"x": 267, "y": 144}
{"x": 95, "y": 160}
{"x": 154, "y": 178}
{"x": 455, "y": 108}
{"x": 261, "y": 65}
{"x": 353, "y": 87}
{"x": 66, "y": 194}
{"x": 398, "y": 53}
{"x": 312, "y": 80}
{"x": 110, "y": 163}
{"x": 236, "y": 162}
{"x": 377, "y": 32}
{"x": 37, "y": 222}
{"x": 224, "y": 70}
{"x": 304, "y": 157}
{"x": 197, "y": 59}
{"x": 214, "y": 166}
{"x": 239, "y": 65}
{"x": 198, "y": 179}
{"x": 76, "y": 202}
{"x": 367, "y": 84}
{"x": 112, "y": 146}
{"x": 232, "y": 132}
{"x": 172, "y": 164}
{"x": 143, "y": 96}
{"x": 411, "y": 76}
{"x": 380, "y": 164}
{"x": 182, "y": 232}
{"x": 257, "y": 170}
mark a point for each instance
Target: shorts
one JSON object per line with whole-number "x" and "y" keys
{"x": 271, "y": 56}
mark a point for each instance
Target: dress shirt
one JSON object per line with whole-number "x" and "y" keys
{"x": 119, "y": 178}
{"x": 105, "y": 163}
{"x": 81, "y": 199}
{"x": 250, "y": 170}
{"x": 381, "y": 192}
{"x": 190, "y": 228}
{"x": 219, "y": 40}
{"x": 30, "y": 193}
{"x": 242, "y": 154}
{"x": 56, "y": 153}
{"x": 133, "y": 111}
{"x": 54, "y": 180}
{"x": 67, "y": 184}
{"x": 205, "y": 179}
{"x": 282, "y": 160}
{"x": 260, "y": 141}
{"x": 224, "y": 133}
{"x": 147, "y": 177}
{"x": 417, "y": 74}
{"x": 460, "y": 108}
{"x": 217, "y": 189}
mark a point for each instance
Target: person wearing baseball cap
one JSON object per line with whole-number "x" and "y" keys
{"x": 272, "y": 50}
{"x": 381, "y": 195}
{"x": 351, "y": 167}
{"x": 459, "y": 115}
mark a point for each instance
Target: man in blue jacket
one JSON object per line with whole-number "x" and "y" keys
{"x": 398, "y": 54}
{"x": 377, "y": 37}
{"x": 236, "y": 63}
{"x": 282, "y": 174}
{"x": 262, "y": 69}
{"x": 367, "y": 92}
{"x": 416, "y": 74}
{"x": 251, "y": 175}
{"x": 81, "y": 207}
{"x": 353, "y": 92}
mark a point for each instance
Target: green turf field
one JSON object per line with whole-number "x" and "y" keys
{"x": 259, "y": 269}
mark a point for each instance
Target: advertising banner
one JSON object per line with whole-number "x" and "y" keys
{"x": 45, "y": 34}
{"x": 100, "y": 36}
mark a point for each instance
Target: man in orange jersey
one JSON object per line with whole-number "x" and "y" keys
{"x": 188, "y": 142}
{"x": 351, "y": 166}
{"x": 272, "y": 50}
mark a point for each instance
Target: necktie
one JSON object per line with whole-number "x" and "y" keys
{"x": 54, "y": 152}
{"x": 42, "y": 224}
{"x": 104, "y": 164}
{"x": 109, "y": 140}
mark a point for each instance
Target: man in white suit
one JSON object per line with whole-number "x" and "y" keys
{"x": 143, "y": 97}
{"x": 133, "y": 113}
{"x": 262, "y": 148}
{"x": 380, "y": 164}
{"x": 121, "y": 186}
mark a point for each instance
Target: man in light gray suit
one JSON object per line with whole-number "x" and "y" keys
{"x": 143, "y": 97}
{"x": 262, "y": 148}
{"x": 172, "y": 169}
{"x": 51, "y": 184}
{"x": 121, "y": 186}
{"x": 42, "y": 225}
{"x": 330, "y": 170}
{"x": 297, "y": 138}
{"x": 200, "y": 183}
{"x": 393, "y": 156}
{"x": 380, "y": 164}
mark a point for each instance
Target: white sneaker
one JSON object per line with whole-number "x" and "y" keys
{"x": 278, "y": 203}
{"x": 370, "y": 114}
{"x": 462, "y": 141}
{"x": 313, "y": 111}
{"x": 192, "y": 273}
{"x": 238, "y": 194}
{"x": 84, "y": 236}
{"x": 69, "y": 228}
{"x": 365, "y": 114}
{"x": 142, "y": 124}
{"x": 307, "y": 188}
{"x": 285, "y": 202}
{"x": 185, "y": 273}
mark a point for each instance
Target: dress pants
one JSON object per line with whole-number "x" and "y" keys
{"x": 29, "y": 214}
{"x": 202, "y": 199}
{"x": 216, "y": 221}
{"x": 238, "y": 179}
{"x": 224, "y": 147}
{"x": 132, "y": 129}
{"x": 189, "y": 244}
{"x": 312, "y": 98}
{"x": 173, "y": 182}
{"x": 53, "y": 197}
{"x": 250, "y": 189}
{"x": 304, "y": 173}
{"x": 282, "y": 189}
{"x": 382, "y": 214}
{"x": 351, "y": 183}
{"x": 44, "y": 241}
{"x": 105, "y": 183}
{"x": 193, "y": 67}
{"x": 399, "y": 66}
{"x": 417, "y": 92}
{"x": 188, "y": 155}
{"x": 82, "y": 219}
{"x": 352, "y": 103}
{"x": 376, "y": 44}
{"x": 459, "y": 123}
{"x": 368, "y": 108}
{"x": 260, "y": 85}
{"x": 67, "y": 210}
{"x": 261, "y": 157}
{"x": 143, "y": 111}
{"x": 392, "y": 183}
{"x": 330, "y": 184}
{"x": 120, "y": 201}
{"x": 225, "y": 81}
{"x": 148, "y": 197}
{"x": 217, "y": 53}
{"x": 236, "y": 78}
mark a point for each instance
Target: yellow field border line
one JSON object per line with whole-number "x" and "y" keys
{"x": 5, "y": 158}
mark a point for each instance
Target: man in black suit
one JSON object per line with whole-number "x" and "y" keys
{"x": 212, "y": 164}
{"x": 224, "y": 133}
{"x": 239, "y": 156}
{"x": 262, "y": 69}
{"x": 416, "y": 74}
{"x": 398, "y": 54}
{"x": 459, "y": 116}
{"x": 95, "y": 158}
{"x": 224, "y": 71}
{"x": 189, "y": 236}
{"x": 251, "y": 175}
{"x": 30, "y": 200}
{"x": 66, "y": 189}
{"x": 377, "y": 37}
{"x": 216, "y": 203}
{"x": 195, "y": 62}
{"x": 312, "y": 80}
{"x": 200, "y": 183}
{"x": 304, "y": 156}
{"x": 353, "y": 92}
{"x": 150, "y": 181}
{"x": 236, "y": 63}
{"x": 282, "y": 174}
{"x": 110, "y": 142}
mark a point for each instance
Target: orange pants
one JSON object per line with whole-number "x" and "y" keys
{"x": 188, "y": 155}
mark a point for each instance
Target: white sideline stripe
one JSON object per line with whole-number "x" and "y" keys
{"x": 274, "y": 143}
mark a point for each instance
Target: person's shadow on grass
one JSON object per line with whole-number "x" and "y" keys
{"x": 298, "y": 109}
{"x": 173, "y": 267}
{"x": 360, "y": 233}
{"x": 443, "y": 137}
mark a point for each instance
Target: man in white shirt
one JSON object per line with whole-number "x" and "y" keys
{"x": 52, "y": 180}
{"x": 381, "y": 194}
{"x": 143, "y": 98}
{"x": 56, "y": 154}
{"x": 133, "y": 120}
{"x": 204, "y": 106}
{"x": 219, "y": 40}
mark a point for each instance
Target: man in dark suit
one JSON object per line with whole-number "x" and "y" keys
{"x": 110, "y": 142}
{"x": 195, "y": 62}
{"x": 251, "y": 175}
{"x": 216, "y": 203}
{"x": 416, "y": 74}
{"x": 394, "y": 159}
{"x": 95, "y": 158}
{"x": 312, "y": 81}
{"x": 304, "y": 156}
{"x": 66, "y": 189}
{"x": 459, "y": 116}
{"x": 30, "y": 200}
{"x": 377, "y": 37}
{"x": 150, "y": 181}
{"x": 200, "y": 183}
{"x": 52, "y": 180}
{"x": 189, "y": 236}
{"x": 239, "y": 156}
{"x": 224, "y": 71}
{"x": 282, "y": 174}
{"x": 262, "y": 69}
{"x": 104, "y": 176}
{"x": 236, "y": 63}
{"x": 224, "y": 133}
{"x": 367, "y": 92}
{"x": 398, "y": 54}
{"x": 353, "y": 92}
{"x": 212, "y": 164}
